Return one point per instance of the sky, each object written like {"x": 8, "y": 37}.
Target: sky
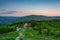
{"x": 29, "y": 7}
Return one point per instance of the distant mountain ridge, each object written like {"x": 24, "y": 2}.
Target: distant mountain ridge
{"x": 7, "y": 20}
{"x": 39, "y": 17}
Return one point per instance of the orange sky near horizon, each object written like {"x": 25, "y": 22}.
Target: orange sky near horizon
{"x": 33, "y": 12}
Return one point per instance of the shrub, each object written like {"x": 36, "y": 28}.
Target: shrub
{"x": 33, "y": 23}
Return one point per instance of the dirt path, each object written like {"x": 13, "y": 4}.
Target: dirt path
{"x": 20, "y": 34}
{"x": 18, "y": 38}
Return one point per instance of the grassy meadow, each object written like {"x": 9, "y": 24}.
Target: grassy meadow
{"x": 40, "y": 30}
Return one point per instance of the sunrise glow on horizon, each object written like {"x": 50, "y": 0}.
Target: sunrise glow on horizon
{"x": 29, "y": 7}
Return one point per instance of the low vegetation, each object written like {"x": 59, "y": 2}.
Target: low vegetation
{"x": 41, "y": 30}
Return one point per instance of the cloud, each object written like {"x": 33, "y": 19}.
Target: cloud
{"x": 7, "y": 12}
{"x": 4, "y": 11}
{"x": 31, "y": 12}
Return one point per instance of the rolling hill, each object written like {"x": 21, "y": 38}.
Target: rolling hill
{"x": 7, "y": 20}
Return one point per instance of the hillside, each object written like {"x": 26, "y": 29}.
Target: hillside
{"x": 7, "y": 20}
{"x": 43, "y": 30}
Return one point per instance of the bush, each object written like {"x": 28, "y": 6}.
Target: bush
{"x": 7, "y": 29}
{"x": 57, "y": 35}
{"x": 33, "y": 23}
{"x": 52, "y": 33}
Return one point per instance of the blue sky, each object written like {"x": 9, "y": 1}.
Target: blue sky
{"x": 52, "y": 6}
